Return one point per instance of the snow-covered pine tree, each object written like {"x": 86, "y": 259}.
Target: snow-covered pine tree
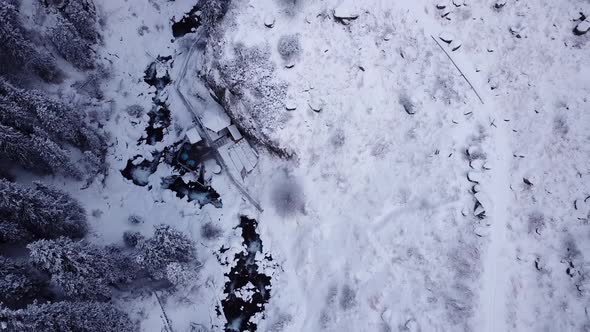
{"x": 13, "y": 232}
{"x": 13, "y": 115}
{"x": 33, "y": 112}
{"x": 67, "y": 317}
{"x": 20, "y": 283}
{"x": 42, "y": 211}
{"x": 36, "y": 153}
{"x": 213, "y": 11}
{"x": 166, "y": 246}
{"x": 61, "y": 122}
{"x": 18, "y": 50}
{"x": 68, "y": 42}
{"x": 82, "y": 15}
{"x": 84, "y": 271}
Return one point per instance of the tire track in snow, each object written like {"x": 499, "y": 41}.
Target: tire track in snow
{"x": 493, "y": 312}
{"x": 495, "y": 277}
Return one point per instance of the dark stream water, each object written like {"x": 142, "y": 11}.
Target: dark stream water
{"x": 239, "y": 310}
{"x": 244, "y": 275}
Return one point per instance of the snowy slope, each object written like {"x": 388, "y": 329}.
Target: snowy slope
{"x": 387, "y": 238}
{"x": 412, "y": 201}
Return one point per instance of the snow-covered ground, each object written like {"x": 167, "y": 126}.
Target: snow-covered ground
{"x": 372, "y": 221}
{"x": 386, "y": 238}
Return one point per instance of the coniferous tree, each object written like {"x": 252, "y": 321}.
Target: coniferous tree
{"x": 82, "y": 15}
{"x": 82, "y": 270}
{"x": 42, "y": 211}
{"x": 34, "y": 125}
{"x": 20, "y": 284}
{"x": 18, "y": 51}
{"x": 59, "y": 121}
{"x": 67, "y": 317}
{"x": 35, "y": 153}
{"x": 70, "y": 45}
{"x": 13, "y": 232}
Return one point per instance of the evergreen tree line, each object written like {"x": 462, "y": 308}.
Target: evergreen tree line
{"x": 37, "y": 130}
{"x": 62, "y": 273}
{"x": 50, "y": 278}
{"x": 69, "y": 29}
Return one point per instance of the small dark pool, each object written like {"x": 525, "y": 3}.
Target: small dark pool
{"x": 139, "y": 173}
{"x": 194, "y": 190}
{"x": 189, "y": 23}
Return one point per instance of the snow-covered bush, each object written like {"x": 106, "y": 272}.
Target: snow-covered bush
{"x": 135, "y": 219}
{"x": 180, "y": 274}
{"x": 135, "y": 111}
{"x": 42, "y": 211}
{"x": 289, "y": 46}
{"x": 132, "y": 238}
{"x": 19, "y": 283}
{"x": 67, "y": 317}
{"x": 347, "y": 297}
{"x": 166, "y": 246}
{"x": 250, "y": 77}
{"x": 212, "y": 11}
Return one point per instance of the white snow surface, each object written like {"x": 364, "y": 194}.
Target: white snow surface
{"x": 384, "y": 190}
{"x": 384, "y": 238}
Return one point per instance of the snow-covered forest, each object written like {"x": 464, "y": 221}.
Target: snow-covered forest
{"x": 294, "y": 165}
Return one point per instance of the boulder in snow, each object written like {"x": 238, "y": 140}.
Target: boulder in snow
{"x": 346, "y": 12}
{"x": 290, "y": 105}
{"x": 476, "y": 188}
{"x": 484, "y": 201}
{"x": 316, "y": 104}
{"x": 582, "y": 28}
{"x": 474, "y": 177}
{"x": 269, "y": 21}
{"x": 499, "y": 4}
{"x": 479, "y": 210}
{"x": 476, "y": 164}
